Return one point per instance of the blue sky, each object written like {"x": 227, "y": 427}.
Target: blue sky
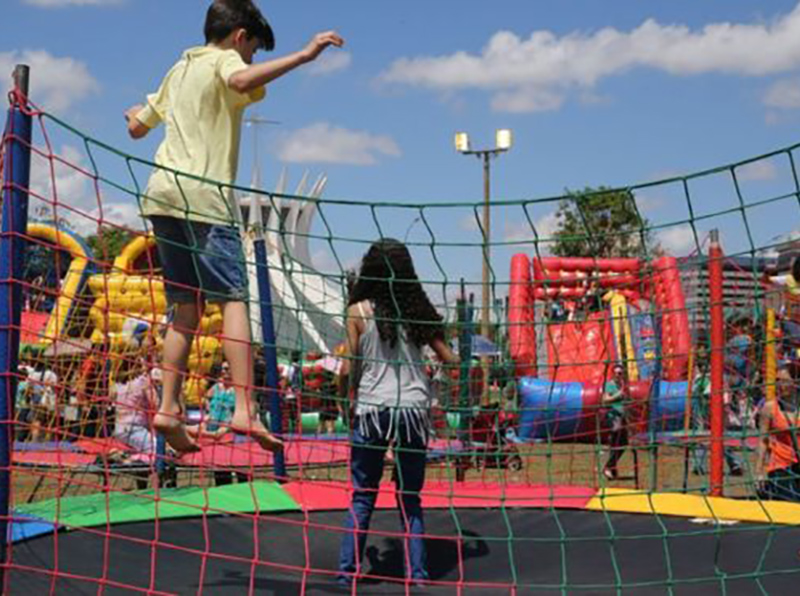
{"x": 597, "y": 93}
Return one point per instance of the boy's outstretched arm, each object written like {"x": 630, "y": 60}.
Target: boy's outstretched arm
{"x": 258, "y": 75}
{"x": 136, "y": 129}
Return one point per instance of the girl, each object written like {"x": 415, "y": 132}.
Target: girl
{"x": 389, "y": 321}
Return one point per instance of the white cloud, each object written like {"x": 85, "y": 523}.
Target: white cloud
{"x": 542, "y": 71}
{"x": 60, "y": 180}
{"x": 677, "y": 240}
{"x": 469, "y": 223}
{"x": 126, "y": 215}
{"x": 757, "y": 171}
{"x": 545, "y": 227}
{"x": 784, "y": 94}
{"x": 647, "y": 203}
{"x": 330, "y": 62}
{"x": 63, "y": 3}
{"x": 56, "y": 82}
{"x": 62, "y": 188}
{"x": 325, "y": 143}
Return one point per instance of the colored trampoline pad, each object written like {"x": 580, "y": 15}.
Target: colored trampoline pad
{"x": 99, "y": 509}
{"x": 539, "y": 551}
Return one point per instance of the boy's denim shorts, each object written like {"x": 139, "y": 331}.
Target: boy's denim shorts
{"x": 200, "y": 260}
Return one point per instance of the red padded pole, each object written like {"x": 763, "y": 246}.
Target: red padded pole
{"x": 717, "y": 363}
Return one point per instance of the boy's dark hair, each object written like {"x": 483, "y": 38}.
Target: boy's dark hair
{"x": 226, "y": 16}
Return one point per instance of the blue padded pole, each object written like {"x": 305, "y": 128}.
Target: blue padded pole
{"x": 16, "y": 180}
{"x": 270, "y": 349}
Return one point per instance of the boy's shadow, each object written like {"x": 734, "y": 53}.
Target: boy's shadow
{"x": 443, "y": 554}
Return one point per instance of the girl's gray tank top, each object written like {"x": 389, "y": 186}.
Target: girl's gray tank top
{"x": 389, "y": 377}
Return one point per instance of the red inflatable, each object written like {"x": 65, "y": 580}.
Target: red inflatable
{"x": 564, "y": 280}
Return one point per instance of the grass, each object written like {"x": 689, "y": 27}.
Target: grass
{"x": 543, "y": 464}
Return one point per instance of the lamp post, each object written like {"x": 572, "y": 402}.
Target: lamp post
{"x": 504, "y": 139}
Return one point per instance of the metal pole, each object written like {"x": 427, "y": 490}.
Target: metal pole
{"x": 465, "y": 314}
{"x": 16, "y": 181}
{"x": 715, "y": 280}
{"x": 270, "y": 350}
{"x": 487, "y": 227}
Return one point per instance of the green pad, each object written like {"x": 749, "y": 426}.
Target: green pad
{"x": 100, "y": 509}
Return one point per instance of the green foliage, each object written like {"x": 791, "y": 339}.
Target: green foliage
{"x": 602, "y": 223}
{"x": 108, "y": 243}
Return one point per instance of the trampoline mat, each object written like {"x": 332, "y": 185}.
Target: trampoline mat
{"x": 542, "y": 549}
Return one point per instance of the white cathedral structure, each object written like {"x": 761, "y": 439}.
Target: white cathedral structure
{"x": 308, "y": 305}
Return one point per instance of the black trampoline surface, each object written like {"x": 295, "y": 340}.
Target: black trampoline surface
{"x": 541, "y": 551}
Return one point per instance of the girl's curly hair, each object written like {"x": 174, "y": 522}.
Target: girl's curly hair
{"x": 387, "y": 279}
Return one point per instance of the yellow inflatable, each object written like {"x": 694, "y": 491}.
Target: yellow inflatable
{"x": 125, "y": 300}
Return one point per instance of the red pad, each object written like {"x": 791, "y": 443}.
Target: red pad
{"x": 101, "y": 446}
{"x": 53, "y": 459}
{"x": 443, "y": 495}
{"x": 229, "y": 454}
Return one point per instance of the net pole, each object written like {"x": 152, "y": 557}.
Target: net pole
{"x": 270, "y": 349}
{"x": 717, "y": 363}
{"x": 771, "y": 360}
{"x": 465, "y": 315}
{"x": 16, "y": 181}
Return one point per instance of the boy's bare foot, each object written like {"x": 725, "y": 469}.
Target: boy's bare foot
{"x": 242, "y": 424}
{"x": 174, "y": 431}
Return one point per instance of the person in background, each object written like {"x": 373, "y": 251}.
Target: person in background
{"x": 135, "y": 404}
{"x": 22, "y": 404}
{"x": 778, "y": 465}
{"x": 291, "y": 383}
{"x": 615, "y": 399}
{"x": 91, "y": 391}
{"x": 42, "y": 388}
{"x": 221, "y": 403}
{"x": 701, "y": 402}
{"x": 741, "y": 373}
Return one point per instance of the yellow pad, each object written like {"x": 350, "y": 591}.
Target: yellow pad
{"x": 617, "y": 500}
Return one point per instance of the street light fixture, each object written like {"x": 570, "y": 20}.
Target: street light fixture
{"x": 504, "y": 140}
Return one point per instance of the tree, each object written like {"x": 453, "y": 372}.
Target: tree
{"x": 602, "y": 223}
{"x": 108, "y": 243}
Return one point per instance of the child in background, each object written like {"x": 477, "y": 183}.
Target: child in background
{"x": 221, "y": 400}
{"x": 221, "y": 403}
{"x": 201, "y": 102}
{"x": 389, "y": 321}
{"x": 135, "y": 405}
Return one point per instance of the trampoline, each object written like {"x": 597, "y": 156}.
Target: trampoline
{"x": 533, "y": 539}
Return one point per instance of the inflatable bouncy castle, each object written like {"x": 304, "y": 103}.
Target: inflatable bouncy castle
{"x": 572, "y": 319}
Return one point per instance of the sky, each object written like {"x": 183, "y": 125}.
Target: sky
{"x": 596, "y": 93}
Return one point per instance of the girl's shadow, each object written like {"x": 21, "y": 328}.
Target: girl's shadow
{"x": 444, "y": 556}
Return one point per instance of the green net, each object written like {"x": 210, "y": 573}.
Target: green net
{"x": 553, "y": 424}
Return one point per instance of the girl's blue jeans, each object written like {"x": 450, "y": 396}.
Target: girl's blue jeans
{"x": 366, "y": 469}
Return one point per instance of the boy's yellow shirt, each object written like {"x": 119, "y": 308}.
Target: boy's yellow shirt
{"x": 203, "y": 121}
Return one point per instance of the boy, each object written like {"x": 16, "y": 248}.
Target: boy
{"x": 191, "y": 207}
